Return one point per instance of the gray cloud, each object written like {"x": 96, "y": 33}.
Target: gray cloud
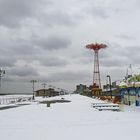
{"x": 6, "y": 61}
{"x": 53, "y": 61}
{"x": 114, "y": 62}
{"x": 53, "y": 43}
{"x": 133, "y": 54}
{"x": 68, "y": 76}
{"x": 28, "y": 52}
{"x": 118, "y": 56}
{"x": 14, "y": 51}
{"x": 125, "y": 37}
{"x": 99, "y": 12}
{"x": 12, "y": 12}
{"x": 25, "y": 51}
{"x": 106, "y": 9}
{"x": 58, "y": 18}
{"x": 24, "y": 71}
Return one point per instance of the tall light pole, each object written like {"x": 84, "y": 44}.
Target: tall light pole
{"x": 2, "y": 72}
{"x": 44, "y": 85}
{"x": 33, "y": 81}
{"x": 108, "y": 76}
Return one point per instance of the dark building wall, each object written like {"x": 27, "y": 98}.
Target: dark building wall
{"x": 81, "y": 88}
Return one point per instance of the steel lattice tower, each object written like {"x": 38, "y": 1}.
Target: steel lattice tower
{"x": 96, "y": 74}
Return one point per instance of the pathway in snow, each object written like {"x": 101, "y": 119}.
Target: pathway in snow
{"x": 75, "y": 120}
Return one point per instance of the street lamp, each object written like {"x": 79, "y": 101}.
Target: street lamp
{"x": 108, "y": 76}
{"x": 1, "y": 75}
{"x": 33, "y": 81}
{"x": 44, "y": 85}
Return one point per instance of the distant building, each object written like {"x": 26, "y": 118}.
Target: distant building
{"x": 81, "y": 88}
{"x": 130, "y": 95}
{"x": 47, "y": 92}
{"x": 130, "y": 90}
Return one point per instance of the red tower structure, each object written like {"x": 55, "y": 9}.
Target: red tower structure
{"x": 96, "y": 89}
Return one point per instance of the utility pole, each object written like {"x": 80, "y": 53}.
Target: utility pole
{"x": 44, "y": 85}
{"x": 1, "y": 75}
{"x": 33, "y": 81}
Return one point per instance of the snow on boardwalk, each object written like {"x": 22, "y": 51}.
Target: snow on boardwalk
{"x": 75, "y": 120}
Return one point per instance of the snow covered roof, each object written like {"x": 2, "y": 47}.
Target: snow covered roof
{"x": 123, "y": 84}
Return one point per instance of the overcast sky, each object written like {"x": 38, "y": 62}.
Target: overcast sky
{"x": 45, "y": 40}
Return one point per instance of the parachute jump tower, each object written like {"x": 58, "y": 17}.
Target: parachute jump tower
{"x": 96, "y": 87}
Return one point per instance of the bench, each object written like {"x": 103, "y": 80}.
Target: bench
{"x": 106, "y": 106}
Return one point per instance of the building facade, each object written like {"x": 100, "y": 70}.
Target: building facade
{"x": 130, "y": 95}
{"x": 47, "y": 92}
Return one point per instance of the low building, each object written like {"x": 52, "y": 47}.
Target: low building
{"x": 47, "y": 92}
{"x": 81, "y": 88}
{"x": 130, "y": 95}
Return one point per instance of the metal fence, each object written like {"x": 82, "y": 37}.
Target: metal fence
{"x": 13, "y": 100}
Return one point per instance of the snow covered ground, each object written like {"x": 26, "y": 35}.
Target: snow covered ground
{"x": 75, "y": 120}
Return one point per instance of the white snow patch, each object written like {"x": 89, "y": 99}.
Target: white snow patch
{"x": 75, "y": 120}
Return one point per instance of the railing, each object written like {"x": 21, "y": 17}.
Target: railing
{"x": 106, "y": 106}
{"x": 13, "y": 100}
